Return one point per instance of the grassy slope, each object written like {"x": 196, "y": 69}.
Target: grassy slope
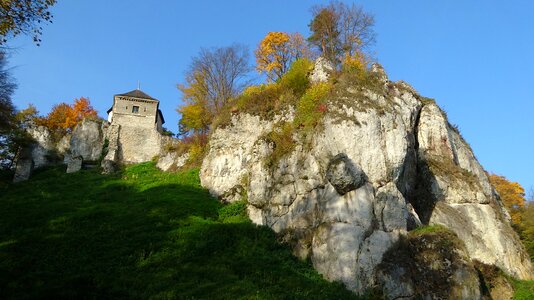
{"x": 143, "y": 234}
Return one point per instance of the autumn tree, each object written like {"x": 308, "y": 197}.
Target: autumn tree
{"x": 342, "y": 31}
{"x": 277, "y": 51}
{"x": 512, "y": 195}
{"x": 64, "y": 117}
{"x": 213, "y": 78}
{"x": 81, "y": 109}
{"x": 24, "y": 17}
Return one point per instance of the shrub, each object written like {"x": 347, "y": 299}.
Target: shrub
{"x": 296, "y": 79}
{"x": 259, "y": 100}
{"x": 312, "y": 105}
{"x": 282, "y": 139}
{"x": 234, "y": 213}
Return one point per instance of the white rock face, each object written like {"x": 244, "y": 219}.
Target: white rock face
{"x": 87, "y": 140}
{"x": 321, "y": 71}
{"x": 172, "y": 161}
{"x": 391, "y": 137}
{"x": 40, "y": 153}
{"x": 466, "y": 202}
{"x": 43, "y": 147}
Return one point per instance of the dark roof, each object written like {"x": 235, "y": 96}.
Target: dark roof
{"x": 137, "y": 94}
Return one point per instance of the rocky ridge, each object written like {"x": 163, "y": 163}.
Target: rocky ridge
{"x": 382, "y": 162}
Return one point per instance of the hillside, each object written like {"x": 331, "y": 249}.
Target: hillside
{"x": 141, "y": 234}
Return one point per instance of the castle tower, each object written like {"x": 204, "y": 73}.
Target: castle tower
{"x": 135, "y": 127}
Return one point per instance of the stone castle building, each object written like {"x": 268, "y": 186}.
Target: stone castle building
{"x": 135, "y": 128}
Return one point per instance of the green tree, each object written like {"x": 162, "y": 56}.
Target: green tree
{"x": 24, "y": 17}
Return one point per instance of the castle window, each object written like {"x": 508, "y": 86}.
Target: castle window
{"x": 135, "y": 109}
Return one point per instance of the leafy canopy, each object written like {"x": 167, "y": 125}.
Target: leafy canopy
{"x": 277, "y": 51}
{"x": 512, "y": 195}
{"x": 24, "y": 17}
{"x": 64, "y": 117}
{"x": 340, "y": 30}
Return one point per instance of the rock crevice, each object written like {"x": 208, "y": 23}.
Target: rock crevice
{"x": 364, "y": 180}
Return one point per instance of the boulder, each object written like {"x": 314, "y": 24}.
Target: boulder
{"x": 74, "y": 164}
{"x": 24, "y": 166}
{"x": 43, "y": 151}
{"x": 171, "y": 161}
{"x": 87, "y": 140}
{"x": 108, "y": 166}
{"x": 344, "y": 175}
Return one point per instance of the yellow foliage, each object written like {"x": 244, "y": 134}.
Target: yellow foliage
{"x": 195, "y": 116}
{"x": 355, "y": 64}
{"x": 196, "y": 113}
{"x": 277, "y": 51}
{"x": 512, "y": 195}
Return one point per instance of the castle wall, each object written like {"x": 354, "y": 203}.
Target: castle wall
{"x": 144, "y": 114}
{"x": 138, "y": 144}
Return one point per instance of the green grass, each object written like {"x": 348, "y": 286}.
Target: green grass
{"x": 523, "y": 289}
{"x": 428, "y": 229}
{"x": 142, "y": 234}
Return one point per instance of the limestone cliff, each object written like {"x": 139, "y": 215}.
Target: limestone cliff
{"x": 382, "y": 162}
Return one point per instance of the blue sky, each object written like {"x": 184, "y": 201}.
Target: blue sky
{"x": 474, "y": 57}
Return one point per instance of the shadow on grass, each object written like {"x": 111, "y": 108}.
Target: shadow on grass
{"x": 88, "y": 236}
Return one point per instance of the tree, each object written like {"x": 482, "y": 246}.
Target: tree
{"x": 277, "y": 51}
{"x": 7, "y": 112}
{"x": 512, "y": 195}
{"x": 527, "y": 227}
{"x": 214, "y": 77}
{"x": 341, "y": 31}
{"x": 24, "y": 17}
{"x": 325, "y": 32}
{"x": 27, "y": 117}
{"x": 7, "y": 88}
{"x": 82, "y": 109}
{"x": 64, "y": 117}
{"x": 17, "y": 137}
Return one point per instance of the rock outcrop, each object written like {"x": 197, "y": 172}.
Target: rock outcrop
{"x": 87, "y": 140}
{"x": 83, "y": 144}
{"x": 382, "y": 162}
{"x": 41, "y": 152}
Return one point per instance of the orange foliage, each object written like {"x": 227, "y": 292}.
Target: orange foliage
{"x": 512, "y": 195}
{"x": 63, "y": 117}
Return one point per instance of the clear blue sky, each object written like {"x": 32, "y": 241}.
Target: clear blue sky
{"x": 474, "y": 57}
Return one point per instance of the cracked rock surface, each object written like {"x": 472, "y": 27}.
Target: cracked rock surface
{"x": 378, "y": 167}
